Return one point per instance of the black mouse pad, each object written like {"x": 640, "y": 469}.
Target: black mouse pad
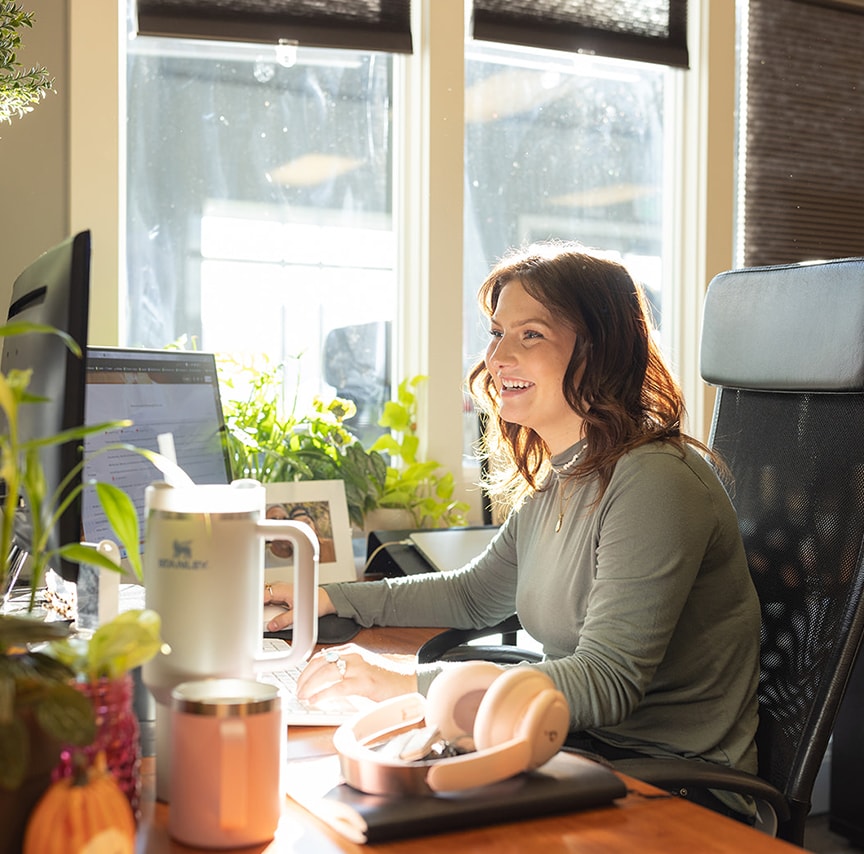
{"x": 331, "y": 629}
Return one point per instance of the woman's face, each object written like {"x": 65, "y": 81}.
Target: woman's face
{"x": 527, "y": 356}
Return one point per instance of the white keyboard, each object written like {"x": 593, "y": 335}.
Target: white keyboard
{"x": 298, "y": 712}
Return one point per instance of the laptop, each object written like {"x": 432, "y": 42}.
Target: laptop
{"x": 160, "y": 391}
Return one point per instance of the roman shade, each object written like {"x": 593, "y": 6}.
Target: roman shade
{"x": 642, "y": 30}
{"x": 802, "y": 120}
{"x": 383, "y": 25}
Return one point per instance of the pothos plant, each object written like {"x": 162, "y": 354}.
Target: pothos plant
{"x": 420, "y": 486}
{"x": 272, "y": 445}
{"x": 20, "y": 88}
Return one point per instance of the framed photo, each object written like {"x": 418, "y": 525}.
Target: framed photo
{"x": 321, "y": 505}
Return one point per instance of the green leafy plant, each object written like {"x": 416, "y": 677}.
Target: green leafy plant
{"x": 22, "y": 473}
{"x": 36, "y": 685}
{"x": 116, "y": 647}
{"x": 272, "y": 446}
{"x": 416, "y": 485}
{"x": 37, "y": 698}
{"x": 20, "y": 88}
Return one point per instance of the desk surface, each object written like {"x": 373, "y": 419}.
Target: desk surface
{"x": 635, "y": 823}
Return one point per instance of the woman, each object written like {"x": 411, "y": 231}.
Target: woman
{"x": 621, "y": 553}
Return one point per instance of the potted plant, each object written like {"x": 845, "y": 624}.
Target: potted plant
{"x": 272, "y": 446}
{"x": 40, "y": 708}
{"x": 103, "y": 665}
{"x": 20, "y": 88}
{"x": 418, "y": 486}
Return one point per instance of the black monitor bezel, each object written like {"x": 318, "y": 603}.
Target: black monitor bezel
{"x": 55, "y": 291}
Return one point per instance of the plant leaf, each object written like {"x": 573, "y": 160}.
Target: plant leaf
{"x": 78, "y": 553}
{"x": 123, "y": 517}
{"x": 21, "y": 631}
{"x": 7, "y": 330}
{"x": 66, "y": 714}
{"x": 120, "y": 645}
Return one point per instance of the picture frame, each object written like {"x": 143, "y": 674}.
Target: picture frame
{"x": 322, "y": 505}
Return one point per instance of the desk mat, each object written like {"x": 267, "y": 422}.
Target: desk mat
{"x": 331, "y": 629}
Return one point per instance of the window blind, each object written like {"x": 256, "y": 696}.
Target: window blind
{"x": 801, "y": 186}
{"x": 357, "y": 24}
{"x": 643, "y": 30}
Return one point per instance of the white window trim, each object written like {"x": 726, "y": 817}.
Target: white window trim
{"x": 707, "y": 195}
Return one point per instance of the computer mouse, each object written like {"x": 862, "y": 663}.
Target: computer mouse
{"x": 271, "y": 611}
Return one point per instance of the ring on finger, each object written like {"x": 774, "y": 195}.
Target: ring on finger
{"x": 334, "y": 658}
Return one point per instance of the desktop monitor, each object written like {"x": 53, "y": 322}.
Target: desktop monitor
{"x": 54, "y": 290}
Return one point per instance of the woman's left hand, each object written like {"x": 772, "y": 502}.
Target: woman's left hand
{"x": 349, "y": 670}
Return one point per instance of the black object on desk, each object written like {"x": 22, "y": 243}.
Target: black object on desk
{"x": 389, "y": 555}
{"x": 410, "y": 552}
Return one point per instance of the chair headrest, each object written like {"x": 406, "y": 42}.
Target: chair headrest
{"x": 797, "y": 327}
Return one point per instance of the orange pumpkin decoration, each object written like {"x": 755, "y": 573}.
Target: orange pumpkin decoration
{"x": 86, "y": 812}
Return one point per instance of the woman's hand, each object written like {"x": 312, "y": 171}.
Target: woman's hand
{"x": 282, "y": 593}
{"x": 349, "y": 670}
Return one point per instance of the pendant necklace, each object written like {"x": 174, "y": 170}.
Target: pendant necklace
{"x": 562, "y": 499}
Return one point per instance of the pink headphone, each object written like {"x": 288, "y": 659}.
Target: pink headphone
{"x": 516, "y": 719}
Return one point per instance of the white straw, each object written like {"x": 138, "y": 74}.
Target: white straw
{"x": 174, "y": 475}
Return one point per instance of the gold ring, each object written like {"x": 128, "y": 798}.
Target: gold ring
{"x": 269, "y": 589}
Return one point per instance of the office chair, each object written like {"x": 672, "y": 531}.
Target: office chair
{"x": 456, "y": 645}
{"x": 356, "y": 362}
{"x": 784, "y": 346}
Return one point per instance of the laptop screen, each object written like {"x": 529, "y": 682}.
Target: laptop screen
{"x": 160, "y": 391}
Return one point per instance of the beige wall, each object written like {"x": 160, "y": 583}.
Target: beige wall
{"x": 34, "y": 155}
{"x": 59, "y": 165}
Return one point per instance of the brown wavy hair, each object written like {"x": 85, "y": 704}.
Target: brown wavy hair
{"x": 627, "y": 396}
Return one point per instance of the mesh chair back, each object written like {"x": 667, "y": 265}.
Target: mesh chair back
{"x": 785, "y": 346}
{"x": 798, "y": 466}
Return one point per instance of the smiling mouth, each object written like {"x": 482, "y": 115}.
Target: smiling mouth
{"x": 515, "y": 385}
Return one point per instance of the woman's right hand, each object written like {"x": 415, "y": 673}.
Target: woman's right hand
{"x": 282, "y": 593}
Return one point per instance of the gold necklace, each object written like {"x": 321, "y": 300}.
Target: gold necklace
{"x": 562, "y": 499}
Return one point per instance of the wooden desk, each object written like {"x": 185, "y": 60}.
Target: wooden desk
{"x": 635, "y": 823}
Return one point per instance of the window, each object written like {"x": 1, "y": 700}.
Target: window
{"x": 259, "y": 199}
{"x": 565, "y": 146}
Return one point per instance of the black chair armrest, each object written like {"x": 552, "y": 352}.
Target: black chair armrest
{"x": 675, "y": 774}
{"x": 450, "y": 645}
{"x": 496, "y": 654}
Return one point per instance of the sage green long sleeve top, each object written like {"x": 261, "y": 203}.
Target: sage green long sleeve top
{"x": 643, "y": 604}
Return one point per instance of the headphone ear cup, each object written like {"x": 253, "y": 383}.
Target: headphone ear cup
{"x": 455, "y": 696}
{"x": 524, "y": 705}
